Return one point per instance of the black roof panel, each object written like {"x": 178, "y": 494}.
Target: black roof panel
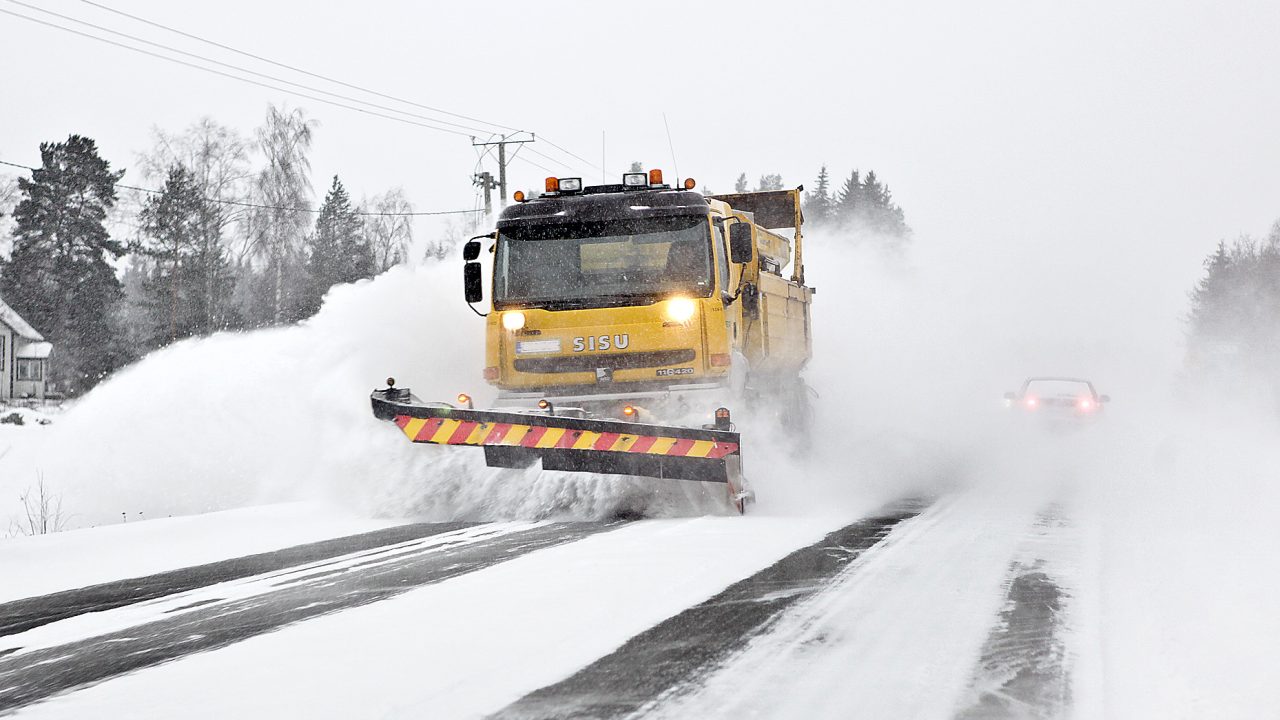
{"x": 604, "y": 206}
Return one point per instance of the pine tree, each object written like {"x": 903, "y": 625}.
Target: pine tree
{"x": 170, "y": 224}
{"x": 1209, "y": 299}
{"x": 338, "y": 251}
{"x": 1234, "y": 323}
{"x": 818, "y": 203}
{"x": 216, "y": 159}
{"x": 636, "y": 166}
{"x": 740, "y": 185}
{"x": 849, "y": 201}
{"x": 59, "y": 277}
{"x": 884, "y": 216}
{"x": 188, "y": 290}
{"x": 772, "y": 181}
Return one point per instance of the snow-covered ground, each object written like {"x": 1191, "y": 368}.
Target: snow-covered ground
{"x": 1178, "y": 612}
{"x": 464, "y": 647}
{"x": 42, "y": 564}
{"x": 100, "y": 622}
{"x": 896, "y": 636}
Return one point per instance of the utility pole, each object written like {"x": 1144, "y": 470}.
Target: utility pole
{"x": 485, "y": 180}
{"x": 502, "y": 158}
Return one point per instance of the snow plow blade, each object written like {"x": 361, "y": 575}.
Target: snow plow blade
{"x": 519, "y": 439}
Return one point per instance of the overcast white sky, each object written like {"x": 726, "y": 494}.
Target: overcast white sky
{"x": 1142, "y": 130}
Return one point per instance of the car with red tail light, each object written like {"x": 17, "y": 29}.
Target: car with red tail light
{"x": 1057, "y": 397}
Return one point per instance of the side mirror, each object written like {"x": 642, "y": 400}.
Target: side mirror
{"x": 1104, "y": 398}
{"x": 740, "y": 243}
{"x": 472, "y": 283}
{"x": 471, "y": 250}
{"x": 1011, "y": 396}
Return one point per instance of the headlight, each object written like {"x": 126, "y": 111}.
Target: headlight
{"x": 681, "y": 309}
{"x": 513, "y": 320}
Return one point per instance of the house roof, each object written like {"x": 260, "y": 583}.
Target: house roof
{"x": 33, "y": 350}
{"x": 10, "y": 317}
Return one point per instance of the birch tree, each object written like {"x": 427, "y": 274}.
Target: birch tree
{"x": 283, "y": 189}
{"x": 387, "y": 228}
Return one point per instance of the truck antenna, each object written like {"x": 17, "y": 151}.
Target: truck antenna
{"x": 672, "y": 147}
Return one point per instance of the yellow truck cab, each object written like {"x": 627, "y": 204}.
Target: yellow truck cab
{"x": 642, "y": 299}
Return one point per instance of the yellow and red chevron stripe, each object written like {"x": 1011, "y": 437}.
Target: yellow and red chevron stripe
{"x": 442, "y": 431}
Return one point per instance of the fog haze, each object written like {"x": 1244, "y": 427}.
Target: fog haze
{"x": 1144, "y": 131}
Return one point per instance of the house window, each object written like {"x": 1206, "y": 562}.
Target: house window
{"x": 30, "y": 369}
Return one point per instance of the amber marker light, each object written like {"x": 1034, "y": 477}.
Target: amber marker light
{"x": 545, "y": 404}
{"x": 690, "y": 183}
{"x": 519, "y": 196}
{"x": 553, "y": 184}
{"x": 655, "y": 177}
{"x": 465, "y": 399}
{"x": 630, "y": 411}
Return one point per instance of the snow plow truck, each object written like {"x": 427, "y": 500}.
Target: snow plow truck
{"x": 624, "y": 323}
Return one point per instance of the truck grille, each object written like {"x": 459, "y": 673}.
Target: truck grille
{"x": 615, "y": 361}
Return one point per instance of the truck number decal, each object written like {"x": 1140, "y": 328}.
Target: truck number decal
{"x": 593, "y": 343}
{"x": 664, "y": 372}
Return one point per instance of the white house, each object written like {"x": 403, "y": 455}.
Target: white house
{"x": 24, "y": 358}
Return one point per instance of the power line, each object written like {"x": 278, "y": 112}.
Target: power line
{"x": 327, "y": 78}
{"x": 544, "y": 168}
{"x": 347, "y": 98}
{"x": 296, "y": 69}
{"x": 238, "y": 203}
{"x": 572, "y": 154}
{"x": 548, "y": 157}
{"x": 239, "y": 68}
{"x": 233, "y": 77}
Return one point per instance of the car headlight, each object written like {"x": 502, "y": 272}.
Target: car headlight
{"x": 513, "y": 320}
{"x": 681, "y": 309}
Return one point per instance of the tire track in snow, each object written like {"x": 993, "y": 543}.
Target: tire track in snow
{"x": 22, "y": 615}
{"x": 32, "y": 676}
{"x": 1025, "y": 671}
{"x": 895, "y": 634}
{"x": 685, "y": 646}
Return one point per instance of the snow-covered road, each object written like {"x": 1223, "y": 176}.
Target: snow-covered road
{"x": 462, "y": 622}
{"x": 893, "y": 614}
{"x": 985, "y": 602}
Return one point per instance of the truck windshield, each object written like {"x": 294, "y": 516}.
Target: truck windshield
{"x": 601, "y": 264}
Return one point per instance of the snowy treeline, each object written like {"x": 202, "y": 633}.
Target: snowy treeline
{"x": 219, "y": 230}
{"x": 861, "y": 208}
{"x": 1234, "y": 323}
